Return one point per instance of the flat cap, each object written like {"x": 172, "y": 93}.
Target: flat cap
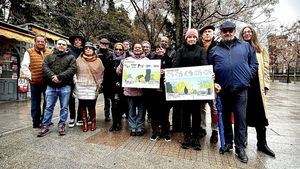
{"x": 227, "y": 25}
{"x": 104, "y": 41}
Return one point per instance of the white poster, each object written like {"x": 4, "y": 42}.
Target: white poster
{"x": 141, "y": 74}
{"x": 189, "y": 83}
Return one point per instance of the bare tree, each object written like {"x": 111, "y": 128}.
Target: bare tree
{"x": 284, "y": 50}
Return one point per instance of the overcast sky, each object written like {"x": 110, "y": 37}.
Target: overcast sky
{"x": 287, "y": 11}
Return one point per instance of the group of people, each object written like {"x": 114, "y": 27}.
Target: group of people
{"x": 81, "y": 71}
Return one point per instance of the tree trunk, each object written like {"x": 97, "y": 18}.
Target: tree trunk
{"x": 178, "y": 23}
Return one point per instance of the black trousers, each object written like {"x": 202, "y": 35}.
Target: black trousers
{"x": 119, "y": 106}
{"x": 90, "y": 105}
{"x": 72, "y": 109}
{"x": 191, "y": 109}
{"x": 236, "y": 102}
{"x": 159, "y": 112}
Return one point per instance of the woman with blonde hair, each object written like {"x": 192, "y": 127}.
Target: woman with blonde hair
{"x": 119, "y": 104}
{"x": 256, "y": 109}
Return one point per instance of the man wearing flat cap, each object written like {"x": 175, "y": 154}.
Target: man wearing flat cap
{"x": 107, "y": 59}
{"x": 76, "y": 48}
{"x": 207, "y": 41}
{"x": 235, "y": 64}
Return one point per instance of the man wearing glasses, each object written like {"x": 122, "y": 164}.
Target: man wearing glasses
{"x": 235, "y": 64}
{"x": 59, "y": 69}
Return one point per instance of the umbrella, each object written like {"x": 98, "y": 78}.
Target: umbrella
{"x": 220, "y": 123}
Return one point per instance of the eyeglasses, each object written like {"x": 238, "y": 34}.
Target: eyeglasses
{"x": 62, "y": 44}
{"x": 247, "y": 32}
{"x": 118, "y": 49}
{"x": 227, "y": 30}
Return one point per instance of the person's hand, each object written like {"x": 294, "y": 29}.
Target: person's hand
{"x": 162, "y": 71}
{"x": 217, "y": 87}
{"x": 55, "y": 79}
{"x": 266, "y": 91}
{"x": 100, "y": 89}
{"x": 118, "y": 84}
{"x": 213, "y": 76}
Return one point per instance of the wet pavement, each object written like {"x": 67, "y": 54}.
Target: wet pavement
{"x": 20, "y": 148}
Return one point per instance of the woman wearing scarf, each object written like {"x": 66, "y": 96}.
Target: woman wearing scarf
{"x": 88, "y": 81}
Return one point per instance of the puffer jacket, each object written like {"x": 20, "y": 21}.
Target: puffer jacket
{"x": 234, "y": 65}
{"x": 63, "y": 65}
{"x": 86, "y": 87}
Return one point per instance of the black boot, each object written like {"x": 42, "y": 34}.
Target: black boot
{"x": 214, "y": 137}
{"x": 241, "y": 155}
{"x": 195, "y": 144}
{"x": 186, "y": 142}
{"x": 262, "y": 142}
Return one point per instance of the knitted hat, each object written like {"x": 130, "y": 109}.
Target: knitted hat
{"x": 191, "y": 32}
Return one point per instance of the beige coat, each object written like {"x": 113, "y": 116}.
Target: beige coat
{"x": 87, "y": 81}
{"x": 263, "y": 74}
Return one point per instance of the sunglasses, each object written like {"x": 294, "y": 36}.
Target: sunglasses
{"x": 117, "y": 49}
{"x": 227, "y": 30}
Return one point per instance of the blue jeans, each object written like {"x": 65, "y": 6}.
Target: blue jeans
{"x": 136, "y": 119}
{"x": 36, "y": 96}
{"x": 52, "y": 94}
{"x": 236, "y": 102}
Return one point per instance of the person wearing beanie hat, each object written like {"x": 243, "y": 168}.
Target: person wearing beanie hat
{"x": 191, "y": 32}
{"x": 191, "y": 54}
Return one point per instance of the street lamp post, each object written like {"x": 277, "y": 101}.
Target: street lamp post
{"x": 190, "y": 14}
{"x": 297, "y": 53}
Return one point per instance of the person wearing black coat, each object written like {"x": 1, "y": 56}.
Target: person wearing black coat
{"x": 107, "y": 59}
{"x": 191, "y": 54}
{"x": 158, "y": 107}
{"x": 76, "y": 48}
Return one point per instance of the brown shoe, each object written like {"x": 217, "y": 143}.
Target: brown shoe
{"x": 61, "y": 130}
{"x": 43, "y": 131}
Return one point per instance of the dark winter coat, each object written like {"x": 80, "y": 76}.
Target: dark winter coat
{"x": 63, "y": 65}
{"x": 108, "y": 62}
{"x": 75, "y": 51}
{"x": 234, "y": 65}
{"x": 190, "y": 55}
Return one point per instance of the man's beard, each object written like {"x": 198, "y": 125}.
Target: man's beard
{"x": 228, "y": 39}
